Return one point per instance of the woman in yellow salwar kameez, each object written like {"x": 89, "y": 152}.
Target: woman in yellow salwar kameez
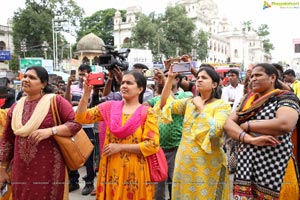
{"x": 200, "y": 165}
{"x": 131, "y": 136}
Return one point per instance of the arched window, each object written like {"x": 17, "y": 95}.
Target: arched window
{"x": 95, "y": 61}
{"x": 2, "y": 45}
{"x": 85, "y": 60}
{"x": 236, "y": 53}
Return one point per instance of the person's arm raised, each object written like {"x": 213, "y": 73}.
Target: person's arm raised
{"x": 166, "y": 92}
{"x": 84, "y": 101}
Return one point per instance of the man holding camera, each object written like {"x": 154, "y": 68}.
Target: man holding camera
{"x": 73, "y": 94}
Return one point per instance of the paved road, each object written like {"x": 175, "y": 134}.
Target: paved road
{"x": 76, "y": 195}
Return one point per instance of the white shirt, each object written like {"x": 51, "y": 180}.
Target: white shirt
{"x": 233, "y": 95}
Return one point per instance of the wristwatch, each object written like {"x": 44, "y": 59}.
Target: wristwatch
{"x": 54, "y": 131}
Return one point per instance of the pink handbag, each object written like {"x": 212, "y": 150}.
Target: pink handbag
{"x": 158, "y": 165}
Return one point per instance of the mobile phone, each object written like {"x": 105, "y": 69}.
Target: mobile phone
{"x": 73, "y": 72}
{"x": 182, "y": 67}
{"x": 4, "y": 189}
{"x": 149, "y": 73}
{"x": 95, "y": 78}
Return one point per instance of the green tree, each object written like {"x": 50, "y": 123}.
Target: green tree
{"x": 14, "y": 62}
{"x": 263, "y": 31}
{"x": 100, "y": 23}
{"x": 247, "y": 26}
{"x": 178, "y": 32}
{"x": 34, "y": 23}
{"x": 144, "y": 34}
{"x": 201, "y": 45}
{"x": 168, "y": 34}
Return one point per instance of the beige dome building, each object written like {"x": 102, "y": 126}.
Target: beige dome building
{"x": 89, "y": 48}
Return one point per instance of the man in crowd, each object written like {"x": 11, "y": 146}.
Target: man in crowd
{"x": 10, "y": 95}
{"x": 289, "y": 76}
{"x": 73, "y": 94}
{"x": 234, "y": 91}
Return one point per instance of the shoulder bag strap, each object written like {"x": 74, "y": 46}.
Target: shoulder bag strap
{"x": 54, "y": 110}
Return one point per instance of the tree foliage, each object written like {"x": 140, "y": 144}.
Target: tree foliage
{"x": 201, "y": 45}
{"x": 263, "y": 31}
{"x": 34, "y": 23}
{"x": 101, "y": 24}
{"x": 169, "y": 34}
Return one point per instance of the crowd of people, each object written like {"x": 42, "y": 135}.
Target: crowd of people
{"x": 208, "y": 131}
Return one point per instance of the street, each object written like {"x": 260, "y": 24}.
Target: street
{"x": 76, "y": 195}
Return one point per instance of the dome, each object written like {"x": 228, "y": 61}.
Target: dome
{"x": 90, "y": 42}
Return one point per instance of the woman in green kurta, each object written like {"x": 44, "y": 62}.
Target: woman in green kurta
{"x": 200, "y": 165}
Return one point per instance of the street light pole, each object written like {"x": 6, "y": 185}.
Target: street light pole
{"x": 23, "y": 46}
{"x": 58, "y": 24}
{"x": 45, "y": 46}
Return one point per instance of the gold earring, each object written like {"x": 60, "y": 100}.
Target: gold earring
{"x": 42, "y": 91}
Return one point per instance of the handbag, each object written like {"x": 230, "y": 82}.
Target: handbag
{"x": 233, "y": 154}
{"x": 158, "y": 165}
{"x": 74, "y": 149}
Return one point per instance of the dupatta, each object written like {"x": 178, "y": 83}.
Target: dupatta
{"x": 112, "y": 114}
{"x": 252, "y": 104}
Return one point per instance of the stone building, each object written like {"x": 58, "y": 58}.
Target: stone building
{"x": 89, "y": 48}
{"x": 227, "y": 44}
{"x": 6, "y": 41}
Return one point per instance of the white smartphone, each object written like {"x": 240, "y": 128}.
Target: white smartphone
{"x": 182, "y": 67}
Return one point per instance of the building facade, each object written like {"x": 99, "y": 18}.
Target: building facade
{"x": 6, "y": 42}
{"x": 227, "y": 44}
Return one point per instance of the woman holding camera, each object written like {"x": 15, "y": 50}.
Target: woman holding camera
{"x": 200, "y": 164}
{"x": 131, "y": 136}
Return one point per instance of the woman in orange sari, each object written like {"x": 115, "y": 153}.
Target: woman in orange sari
{"x": 266, "y": 166}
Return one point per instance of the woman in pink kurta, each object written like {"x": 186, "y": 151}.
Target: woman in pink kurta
{"x": 38, "y": 170}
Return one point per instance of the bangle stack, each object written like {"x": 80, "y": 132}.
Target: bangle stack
{"x": 242, "y": 136}
{"x": 248, "y": 129}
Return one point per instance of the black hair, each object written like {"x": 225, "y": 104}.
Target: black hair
{"x": 233, "y": 71}
{"x": 43, "y": 75}
{"x": 86, "y": 67}
{"x": 179, "y": 76}
{"x": 269, "y": 70}
{"x": 289, "y": 72}
{"x": 278, "y": 67}
{"x": 216, "y": 93}
{"x": 140, "y": 80}
{"x": 140, "y": 66}
{"x": 206, "y": 65}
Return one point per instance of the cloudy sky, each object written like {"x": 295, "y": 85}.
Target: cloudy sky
{"x": 281, "y": 21}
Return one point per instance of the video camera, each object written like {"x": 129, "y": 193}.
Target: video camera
{"x": 114, "y": 57}
{"x": 3, "y": 89}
